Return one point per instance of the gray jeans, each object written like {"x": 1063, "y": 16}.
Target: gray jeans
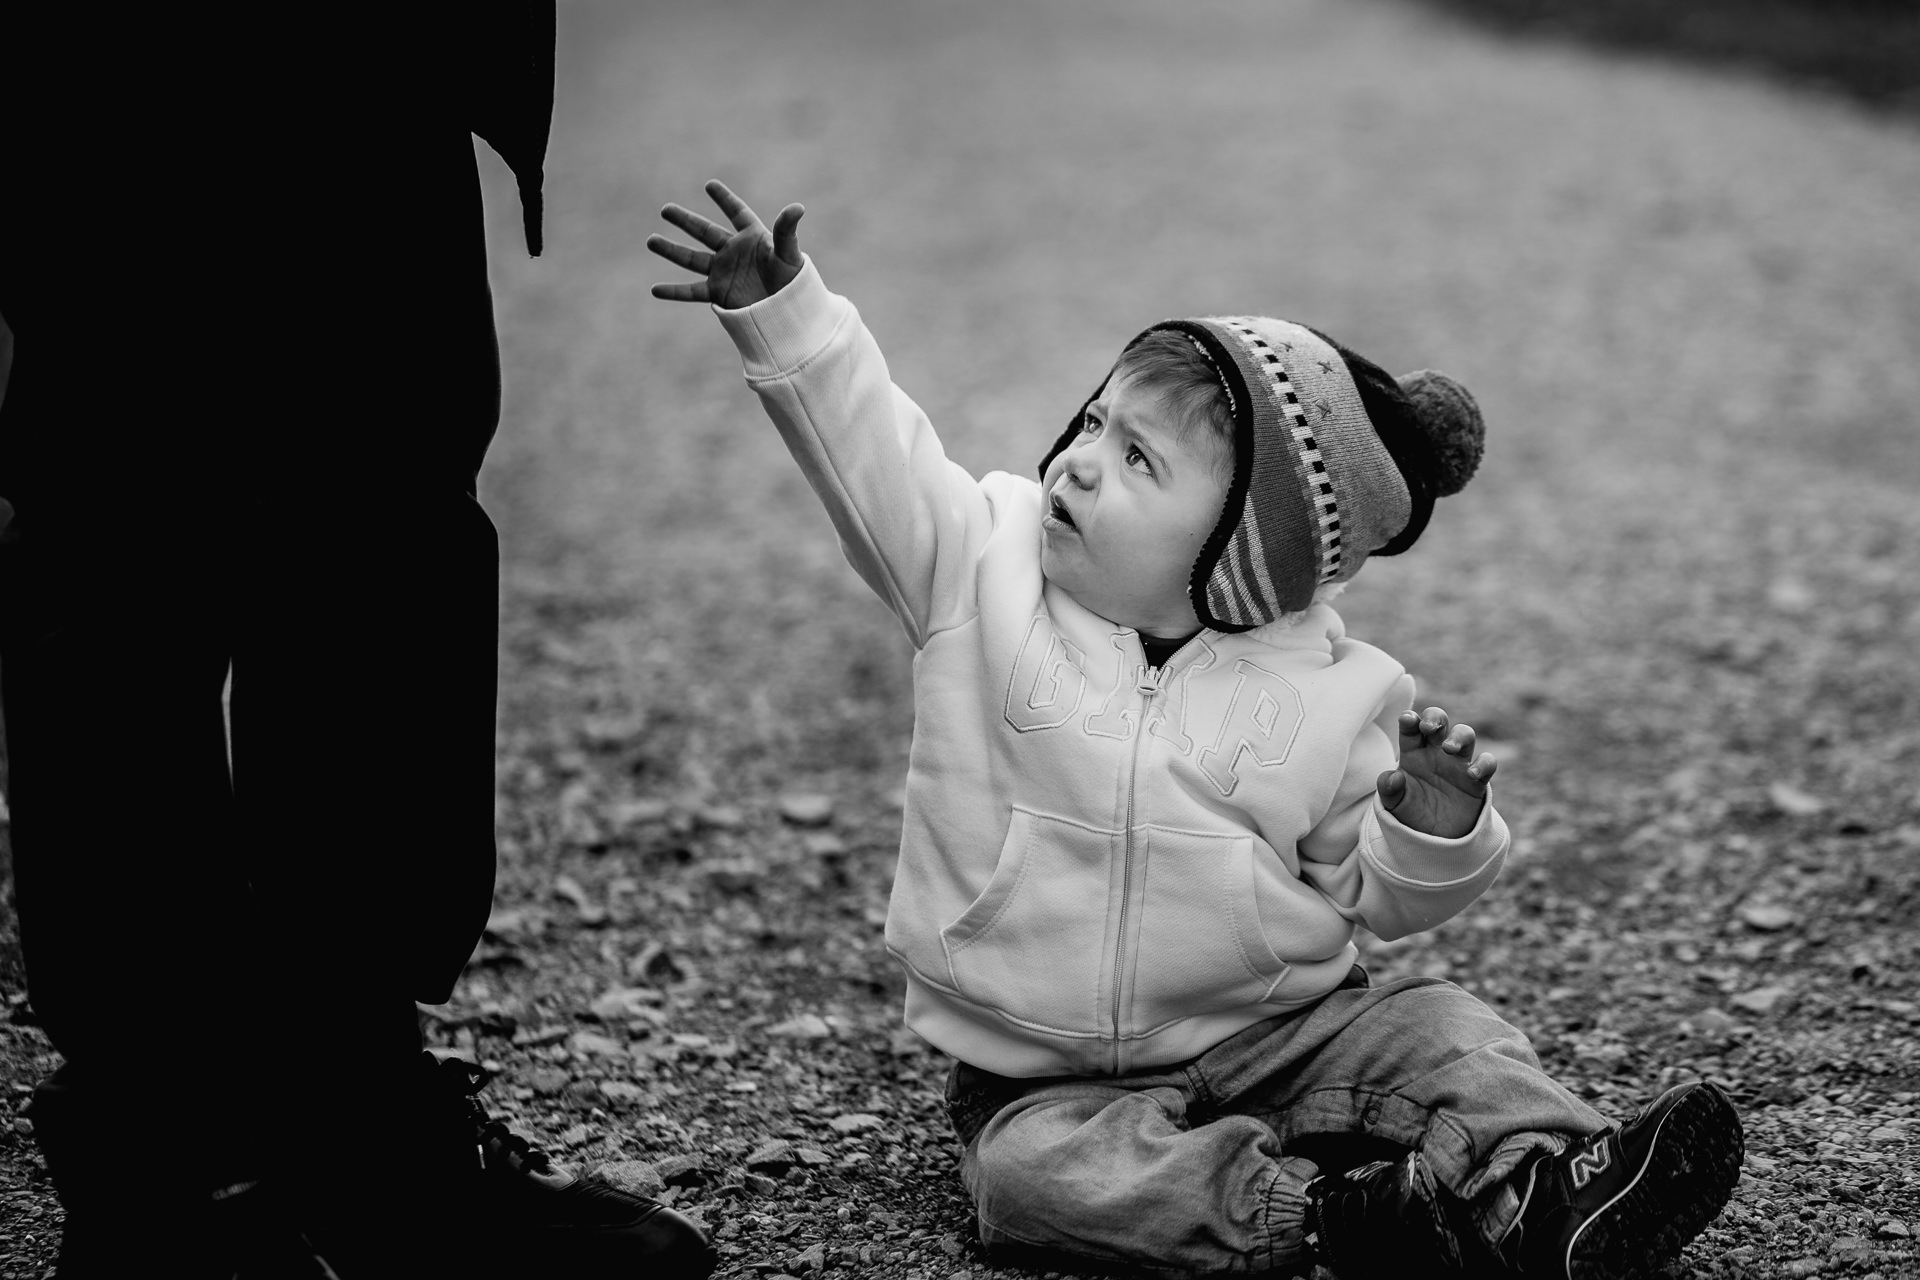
{"x": 1199, "y": 1168}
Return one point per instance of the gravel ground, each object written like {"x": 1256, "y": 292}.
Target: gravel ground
{"x": 1680, "y": 598}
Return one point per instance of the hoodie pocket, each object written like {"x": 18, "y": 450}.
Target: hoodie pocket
{"x": 1202, "y": 940}
{"x": 1032, "y": 943}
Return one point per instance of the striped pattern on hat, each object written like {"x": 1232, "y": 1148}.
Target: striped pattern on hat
{"x": 1314, "y": 490}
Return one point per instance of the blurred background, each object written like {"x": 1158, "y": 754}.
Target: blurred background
{"x": 1687, "y": 297}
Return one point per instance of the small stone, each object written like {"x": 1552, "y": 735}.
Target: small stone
{"x": 806, "y": 809}
{"x": 732, "y": 878}
{"x": 775, "y": 1157}
{"x": 634, "y": 813}
{"x": 590, "y": 1044}
{"x": 1793, "y": 802}
{"x": 1768, "y": 917}
{"x": 806, "y": 1026}
{"x": 1888, "y": 1133}
{"x": 23, "y": 1126}
{"x": 565, "y": 886}
{"x": 1716, "y": 1023}
{"x": 576, "y": 1136}
{"x": 515, "y": 923}
{"x": 658, "y": 966}
{"x": 621, "y": 1091}
{"x": 812, "y": 1258}
{"x": 855, "y": 1122}
{"x": 681, "y": 1171}
{"x": 620, "y": 1004}
{"x": 1891, "y": 1229}
{"x": 635, "y": 1177}
{"x": 760, "y": 1184}
{"x": 1791, "y": 595}
{"x": 1801, "y": 1267}
{"x": 813, "y": 1156}
{"x": 547, "y": 1081}
{"x": 1762, "y": 999}
{"x": 951, "y": 1246}
{"x": 721, "y": 817}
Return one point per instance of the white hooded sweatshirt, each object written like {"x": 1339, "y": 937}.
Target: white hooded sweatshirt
{"x": 1104, "y": 867}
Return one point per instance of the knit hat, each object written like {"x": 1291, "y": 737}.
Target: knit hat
{"x": 1334, "y": 461}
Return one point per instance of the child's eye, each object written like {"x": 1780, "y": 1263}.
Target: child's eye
{"x": 1135, "y": 458}
{"x": 1089, "y": 424}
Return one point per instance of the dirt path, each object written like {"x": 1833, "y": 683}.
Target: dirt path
{"x": 1681, "y": 595}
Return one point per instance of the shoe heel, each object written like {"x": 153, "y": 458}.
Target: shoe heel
{"x": 1689, "y": 1176}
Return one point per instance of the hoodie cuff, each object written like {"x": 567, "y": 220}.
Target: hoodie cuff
{"x": 1415, "y": 858}
{"x": 778, "y": 334}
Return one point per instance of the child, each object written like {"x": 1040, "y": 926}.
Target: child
{"x": 1154, "y": 788}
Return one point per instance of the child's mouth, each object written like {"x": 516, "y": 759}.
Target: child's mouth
{"x": 1058, "y": 510}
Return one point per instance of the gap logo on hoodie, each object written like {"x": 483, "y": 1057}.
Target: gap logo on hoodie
{"x": 1257, "y": 728}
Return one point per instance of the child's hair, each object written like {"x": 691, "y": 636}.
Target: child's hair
{"x": 1171, "y": 365}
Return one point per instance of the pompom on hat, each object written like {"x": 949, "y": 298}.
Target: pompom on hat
{"x": 1335, "y": 460}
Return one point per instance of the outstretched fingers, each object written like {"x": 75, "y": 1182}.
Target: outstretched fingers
{"x": 699, "y": 226}
{"x": 680, "y": 255}
{"x": 742, "y": 217}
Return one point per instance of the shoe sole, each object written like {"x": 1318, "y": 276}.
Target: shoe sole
{"x": 1692, "y": 1164}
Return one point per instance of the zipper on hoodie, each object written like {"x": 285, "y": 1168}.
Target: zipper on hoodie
{"x": 1149, "y": 680}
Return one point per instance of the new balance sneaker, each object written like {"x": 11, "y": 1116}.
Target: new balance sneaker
{"x": 550, "y": 1222}
{"x": 1621, "y": 1202}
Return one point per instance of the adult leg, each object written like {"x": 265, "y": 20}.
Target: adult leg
{"x": 364, "y": 681}
{"x": 133, "y": 906}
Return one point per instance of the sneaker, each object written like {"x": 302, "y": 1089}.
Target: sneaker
{"x": 1386, "y": 1221}
{"x": 552, "y": 1222}
{"x": 1621, "y": 1202}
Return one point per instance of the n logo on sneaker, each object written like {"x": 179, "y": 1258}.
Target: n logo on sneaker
{"x": 1591, "y": 1163}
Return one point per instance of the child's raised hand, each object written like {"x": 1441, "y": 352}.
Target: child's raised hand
{"x": 741, "y": 266}
{"x": 1440, "y": 784}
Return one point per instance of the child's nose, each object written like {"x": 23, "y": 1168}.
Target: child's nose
{"x": 1081, "y": 467}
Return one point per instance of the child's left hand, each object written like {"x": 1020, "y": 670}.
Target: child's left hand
{"x": 1440, "y": 785}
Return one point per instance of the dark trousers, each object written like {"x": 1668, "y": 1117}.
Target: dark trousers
{"x": 254, "y": 377}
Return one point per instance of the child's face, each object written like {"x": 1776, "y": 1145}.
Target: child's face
{"x": 1127, "y": 506}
